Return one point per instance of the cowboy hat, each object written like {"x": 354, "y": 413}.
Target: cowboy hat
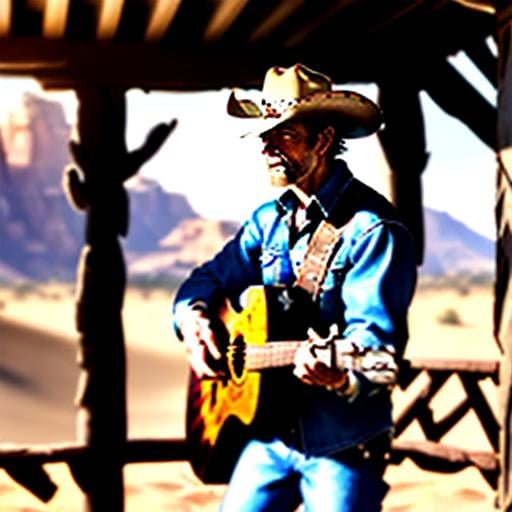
{"x": 298, "y": 92}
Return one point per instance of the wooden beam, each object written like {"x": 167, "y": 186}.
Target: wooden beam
{"x": 169, "y": 450}
{"x": 404, "y": 145}
{"x": 68, "y": 64}
{"x": 442, "y": 458}
{"x": 138, "y": 450}
{"x": 224, "y": 16}
{"x": 503, "y": 288}
{"x": 109, "y": 16}
{"x": 485, "y": 367}
{"x": 161, "y": 17}
{"x": 484, "y": 60}
{"x": 458, "y": 98}
{"x": 316, "y": 23}
{"x": 479, "y": 5}
{"x": 278, "y": 16}
{"x": 480, "y": 405}
{"x": 55, "y": 18}
{"x": 5, "y": 17}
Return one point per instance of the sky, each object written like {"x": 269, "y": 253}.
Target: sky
{"x": 223, "y": 176}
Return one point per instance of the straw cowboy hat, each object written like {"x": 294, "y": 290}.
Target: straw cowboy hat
{"x": 298, "y": 92}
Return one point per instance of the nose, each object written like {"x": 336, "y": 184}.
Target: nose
{"x": 267, "y": 148}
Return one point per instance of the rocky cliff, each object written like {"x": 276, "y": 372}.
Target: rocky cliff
{"x": 40, "y": 234}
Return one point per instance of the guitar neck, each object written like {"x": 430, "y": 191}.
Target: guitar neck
{"x": 271, "y": 355}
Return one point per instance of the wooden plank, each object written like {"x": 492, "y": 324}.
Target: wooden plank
{"x": 485, "y": 367}
{"x": 137, "y": 451}
{"x": 224, "y": 16}
{"x": 70, "y": 64}
{"x": 482, "y": 409}
{"x": 442, "y": 458}
{"x": 449, "y": 420}
{"x": 403, "y": 142}
{"x": 162, "y": 16}
{"x": 503, "y": 288}
{"x": 426, "y": 454}
{"x": 109, "y": 16}
{"x": 484, "y": 60}
{"x": 55, "y": 18}
{"x": 453, "y": 93}
{"x": 5, "y": 17}
{"x": 417, "y": 407}
{"x": 272, "y": 22}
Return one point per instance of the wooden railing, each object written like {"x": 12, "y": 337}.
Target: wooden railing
{"x": 25, "y": 463}
{"x": 430, "y": 453}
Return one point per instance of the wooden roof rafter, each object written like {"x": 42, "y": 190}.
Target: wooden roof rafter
{"x": 5, "y": 17}
{"x": 274, "y": 20}
{"x": 109, "y": 17}
{"x": 223, "y": 17}
{"x": 480, "y": 54}
{"x": 55, "y": 18}
{"x": 192, "y": 40}
{"x": 162, "y": 16}
{"x": 453, "y": 93}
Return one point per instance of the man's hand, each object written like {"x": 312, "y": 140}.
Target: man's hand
{"x": 200, "y": 341}
{"x": 313, "y": 364}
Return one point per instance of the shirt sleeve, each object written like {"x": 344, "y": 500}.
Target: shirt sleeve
{"x": 378, "y": 290}
{"x": 226, "y": 275}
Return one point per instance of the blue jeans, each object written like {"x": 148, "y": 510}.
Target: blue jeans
{"x": 272, "y": 476}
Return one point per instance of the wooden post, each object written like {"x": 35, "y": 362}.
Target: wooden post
{"x": 503, "y": 288}
{"x": 97, "y": 188}
{"x": 403, "y": 143}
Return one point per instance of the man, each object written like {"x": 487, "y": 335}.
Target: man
{"x": 327, "y": 430}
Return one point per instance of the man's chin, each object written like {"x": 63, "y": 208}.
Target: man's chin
{"x": 278, "y": 177}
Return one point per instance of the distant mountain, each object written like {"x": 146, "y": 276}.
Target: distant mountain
{"x": 452, "y": 248}
{"x": 192, "y": 242}
{"x": 41, "y": 235}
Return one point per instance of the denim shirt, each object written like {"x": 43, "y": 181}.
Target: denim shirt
{"x": 367, "y": 290}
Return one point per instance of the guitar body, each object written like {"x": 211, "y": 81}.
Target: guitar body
{"x": 224, "y": 413}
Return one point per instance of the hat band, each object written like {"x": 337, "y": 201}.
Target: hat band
{"x": 276, "y": 108}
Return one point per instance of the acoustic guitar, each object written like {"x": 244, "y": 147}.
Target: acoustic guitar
{"x": 255, "y": 384}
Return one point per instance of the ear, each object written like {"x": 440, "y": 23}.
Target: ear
{"x": 325, "y": 139}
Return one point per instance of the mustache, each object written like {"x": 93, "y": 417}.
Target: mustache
{"x": 273, "y": 151}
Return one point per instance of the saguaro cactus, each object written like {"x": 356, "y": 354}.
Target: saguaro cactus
{"x": 96, "y": 186}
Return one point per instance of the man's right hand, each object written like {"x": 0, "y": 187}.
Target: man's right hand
{"x": 200, "y": 341}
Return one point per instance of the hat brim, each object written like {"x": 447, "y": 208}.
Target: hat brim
{"x": 353, "y": 114}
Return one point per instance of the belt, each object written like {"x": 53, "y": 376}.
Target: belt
{"x": 375, "y": 450}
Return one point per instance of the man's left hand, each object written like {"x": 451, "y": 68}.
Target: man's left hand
{"x": 313, "y": 364}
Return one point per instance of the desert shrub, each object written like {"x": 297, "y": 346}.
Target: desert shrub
{"x": 450, "y": 317}
{"x": 148, "y": 283}
{"x": 24, "y": 288}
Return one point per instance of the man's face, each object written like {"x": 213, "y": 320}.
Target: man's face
{"x": 289, "y": 156}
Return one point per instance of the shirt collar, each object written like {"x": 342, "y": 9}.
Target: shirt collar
{"x": 322, "y": 203}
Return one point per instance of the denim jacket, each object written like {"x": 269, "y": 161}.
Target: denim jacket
{"x": 366, "y": 291}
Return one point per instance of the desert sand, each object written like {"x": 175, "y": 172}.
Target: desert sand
{"x": 38, "y": 377}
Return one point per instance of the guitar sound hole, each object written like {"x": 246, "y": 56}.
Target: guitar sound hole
{"x": 238, "y": 356}
{"x": 213, "y": 396}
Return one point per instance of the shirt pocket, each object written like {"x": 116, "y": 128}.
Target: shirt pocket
{"x": 269, "y": 256}
{"x": 335, "y": 276}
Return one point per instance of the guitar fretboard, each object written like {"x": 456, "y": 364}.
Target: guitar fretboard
{"x": 378, "y": 365}
{"x": 270, "y": 355}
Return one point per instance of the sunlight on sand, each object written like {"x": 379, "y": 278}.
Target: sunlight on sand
{"x": 39, "y": 322}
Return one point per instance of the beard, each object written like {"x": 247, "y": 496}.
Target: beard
{"x": 284, "y": 172}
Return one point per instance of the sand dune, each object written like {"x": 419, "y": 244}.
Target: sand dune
{"x": 38, "y": 377}
{"x": 37, "y": 384}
